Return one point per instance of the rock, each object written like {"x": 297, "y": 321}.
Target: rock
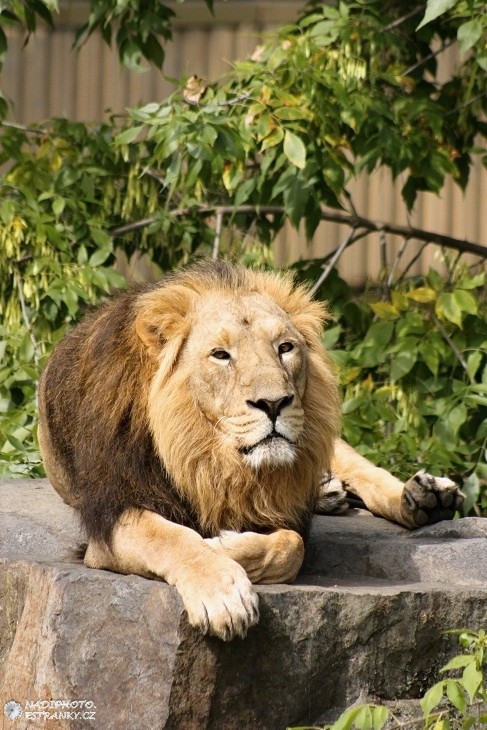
{"x": 367, "y": 615}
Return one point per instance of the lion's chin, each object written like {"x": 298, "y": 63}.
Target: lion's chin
{"x": 276, "y": 452}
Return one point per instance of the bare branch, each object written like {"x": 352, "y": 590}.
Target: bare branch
{"x": 328, "y": 214}
{"x": 25, "y": 317}
{"x": 333, "y": 259}
{"x": 452, "y": 345}
{"x": 413, "y": 260}
{"x": 218, "y": 232}
{"x": 23, "y": 128}
{"x": 397, "y": 261}
{"x": 406, "y": 232}
{"x": 404, "y": 18}
{"x": 427, "y": 58}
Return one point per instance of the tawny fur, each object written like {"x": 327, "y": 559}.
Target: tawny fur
{"x": 191, "y": 422}
{"x": 117, "y": 410}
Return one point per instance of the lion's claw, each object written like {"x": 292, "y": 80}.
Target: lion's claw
{"x": 223, "y": 605}
{"x": 427, "y": 499}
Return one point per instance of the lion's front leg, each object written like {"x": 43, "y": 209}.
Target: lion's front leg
{"x": 424, "y": 499}
{"x": 273, "y": 558}
{"x": 215, "y": 590}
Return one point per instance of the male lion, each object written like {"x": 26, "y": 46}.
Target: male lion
{"x": 191, "y": 423}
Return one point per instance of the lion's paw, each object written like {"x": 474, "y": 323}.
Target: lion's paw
{"x": 222, "y": 603}
{"x": 266, "y": 558}
{"x": 427, "y": 499}
{"x": 332, "y": 496}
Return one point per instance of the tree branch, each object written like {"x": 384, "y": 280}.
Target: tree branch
{"x": 427, "y": 58}
{"x": 404, "y": 18}
{"x": 331, "y": 261}
{"x": 420, "y": 234}
{"x": 349, "y": 219}
{"x": 25, "y": 317}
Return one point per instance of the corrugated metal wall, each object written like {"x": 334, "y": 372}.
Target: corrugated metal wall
{"x": 47, "y": 78}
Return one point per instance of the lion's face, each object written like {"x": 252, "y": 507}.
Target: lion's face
{"x": 247, "y": 368}
{"x": 243, "y": 406}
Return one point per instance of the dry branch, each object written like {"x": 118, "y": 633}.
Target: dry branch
{"x": 352, "y": 220}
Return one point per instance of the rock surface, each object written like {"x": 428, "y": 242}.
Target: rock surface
{"x": 367, "y": 615}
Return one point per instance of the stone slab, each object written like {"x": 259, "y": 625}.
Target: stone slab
{"x": 367, "y": 615}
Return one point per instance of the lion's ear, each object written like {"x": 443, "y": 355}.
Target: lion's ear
{"x": 163, "y": 316}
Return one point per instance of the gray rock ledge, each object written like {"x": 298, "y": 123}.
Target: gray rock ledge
{"x": 367, "y": 615}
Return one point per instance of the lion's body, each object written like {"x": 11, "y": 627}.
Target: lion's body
{"x": 175, "y": 413}
{"x": 128, "y": 433}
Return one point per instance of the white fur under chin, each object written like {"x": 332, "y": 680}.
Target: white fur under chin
{"x": 276, "y": 453}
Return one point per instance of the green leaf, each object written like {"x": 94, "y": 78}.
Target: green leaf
{"x": 472, "y": 282}
{"x": 129, "y": 135}
{"x": 458, "y": 662}
{"x": 422, "y": 294}
{"x": 435, "y": 8}
{"x": 290, "y": 113}
{"x": 468, "y": 34}
{"x": 448, "y": 308}
{"x": 430, "y": 356}
{"x": 150, "y": 109}
{"x": 380, "y": 716}
{"x": 379, "y": 335}
{"x": 466, "y": 301}
{"x": 58, "y": 205}
{"x": 363, "y": 718}
{"x": 272, "y": 139}
{"x": 474, "y": 361}
{"x": 432, "y": 698}
{"x": 456, "y": 695}
{"x": 330, "y": 338}
{"x": 346, "y": 719}
{"x": 471, "y": 679}
{"x": 402, "y": 363}
{"x": 385, "y": 310}
{"x": 130, "y": 55}
{"x": 294, "y": 149}
{"x": 98, "y": 257}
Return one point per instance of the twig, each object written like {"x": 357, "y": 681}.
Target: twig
{"x": 25, "y": 317}
{"x": 404, "y": 18}
{"x": 454, "y": 348}
{"x": 218, "y": 231}
{"x": 467, "y": 104}
{"x": 383, "y": 258}
{"x": 349, "y": 219}
{"x": 23, "y": 128}
{"x": 332, "y": 261}
{"x": 406, "y": 231}
{"x": 413, "y": 260}
{"x": 427, "y": 58}
{"x": 202, "y": 210}
{"x": 397, "y": 261}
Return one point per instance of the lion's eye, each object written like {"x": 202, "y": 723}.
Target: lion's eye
{"x": 220, "y": 354}
{"x": 285, "y": 347}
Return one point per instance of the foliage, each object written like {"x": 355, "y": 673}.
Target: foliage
{"x": 65, "y": 188}
{"x": 349, "y": 87}
{"x": 413, "y": 366}
{"x": 455, "y": 702}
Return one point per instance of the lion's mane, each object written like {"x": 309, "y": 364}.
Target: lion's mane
{"x": 120, "y": 420}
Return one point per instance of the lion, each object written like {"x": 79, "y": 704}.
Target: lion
{"x": 191, "y": 424}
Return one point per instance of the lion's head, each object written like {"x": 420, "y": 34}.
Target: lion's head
{"x": 242, "y": 405}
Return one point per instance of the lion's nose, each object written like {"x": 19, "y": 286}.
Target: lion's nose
{"x": 271, "y": 407}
